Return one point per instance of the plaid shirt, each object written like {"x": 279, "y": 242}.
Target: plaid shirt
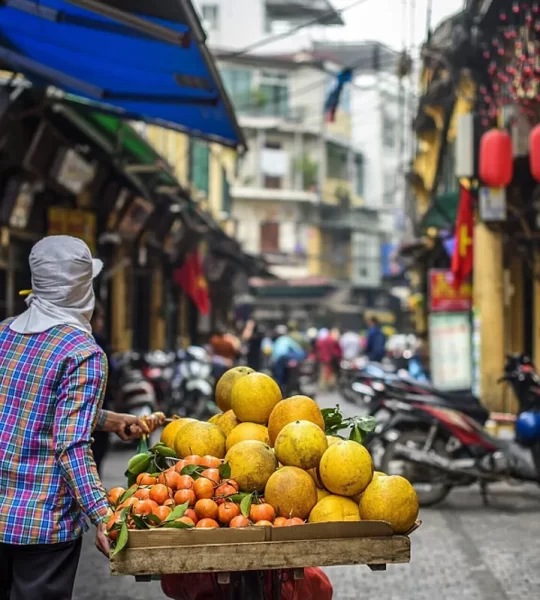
{"x": 51, "y": 390}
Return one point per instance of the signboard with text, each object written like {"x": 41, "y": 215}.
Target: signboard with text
{"x": 443, "y": 297}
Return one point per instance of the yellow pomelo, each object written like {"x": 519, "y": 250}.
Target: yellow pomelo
{"x": 200, "y": 438}
{"x": 334, "y": 508}
{"x": 253, "y": 398}
{"x": 322, "y": 494}
{"x": 292, "y": 492}
{"x": 227, "y": 422}
{"x": 314, "y": 473}
{"x": 168, "y": 434}
{"x": 225, "y": 385}
{"x": 296, "y": 408}
{"x": 247, "y": 431}
{"x": 215, "y": 418}
{"x": 332, "y": 439}
{"x": 392, "y": 499}
{"x": 346, "y": 468}
{"x": 301, "y": 444}
{"x": 252, "y": 463}
{"x": 379, "y": 474}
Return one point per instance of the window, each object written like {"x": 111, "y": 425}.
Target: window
{"x": 366, "y": 258}
{"x": 269, "y": 231}
{"x": 199, "y": 156}
{"x": 449, "y": 181}
{"x": 210, "y": 16}
{"x": 337, "y": 162}
{"x": 389, "y": 131}
{"x": 271, "y": 182}
{"x": 273, "y": 94}
{"x": 238, "y": 83}
{"x": 359, "y": 183}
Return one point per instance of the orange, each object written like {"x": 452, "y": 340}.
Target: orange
{"x": 144, "y": 507}
{"x": 185, "y": 482}
{"x": 280, "y": 521}
{"x": 210, "y": 462}
{"x": 264, "y": 523}
{"x": 115, "y": 518}
{"x": 227, "y": 512}
{"x": 239, "y": 521}
{"x": 204, "y": 488}
{"x": 159, "y": 493}
{"x": 183, "y": 496}
{"x": 186, "y": 520}
{"x": 115, "y": 494}
{"x": 146, "y": 479}
{"x": 193, "y": 459}
{"x": 212, "y": 474}
{"x": 162, "y": 512}
{"x": 170, "y": 479}
{"x": 170, "y": 503}
{"x": 180, "y": 465}
{"x": 294, "y": 521}
{"x": 142, "y": 493}
{"x": 190, "y": 514}
{"x": 226, "y": 489}
{"x": 127, "y": 503}
{"x": 207, "y": 524}
{"x": 206, "y": 509}
{"x": 262, "y": 512}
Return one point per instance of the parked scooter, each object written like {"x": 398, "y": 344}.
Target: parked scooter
{"x": 438, "y": 448}
{"x": 192, "y": 390}
{"x": 158, "y": 368}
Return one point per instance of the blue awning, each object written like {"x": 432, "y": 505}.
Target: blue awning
{"x": 149, "y": 62}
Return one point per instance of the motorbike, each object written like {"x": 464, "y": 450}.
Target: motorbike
{"x": 158, "y": 368}
{"x": 134, "y": 394}
{"x": 192, "y": 386}
{"x": 439, "y": 448}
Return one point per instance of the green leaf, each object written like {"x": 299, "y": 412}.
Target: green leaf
{"x": 153, "y": 519}
{"x": 225, "y": 471}
{"x": 237, "y": 497}
{"x": 177, "y": 525}
{"x": 127, "y": 494}
{"x": 177, "y": 512}
{"x": 192, "y": 470}
{"x": 139, "y": 522}
{"x": 142, "y": 447}
{"x": 357, "y": 435}
{"x": 245, "y": 505}
{"x": 122, "y": 539}
{"x": 131, "y": 479}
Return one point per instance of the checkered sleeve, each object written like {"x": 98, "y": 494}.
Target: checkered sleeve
{"x": 79, "y": 399}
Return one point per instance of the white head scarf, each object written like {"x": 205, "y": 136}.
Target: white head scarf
{"x": 62, "y": 270}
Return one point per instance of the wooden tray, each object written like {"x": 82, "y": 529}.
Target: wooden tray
{"x": 169, "y": 551}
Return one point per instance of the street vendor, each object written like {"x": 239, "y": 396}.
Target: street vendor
{"x": 52, "y": 380}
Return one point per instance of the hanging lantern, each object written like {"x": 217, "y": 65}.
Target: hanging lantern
{"x": 496, "y": 161}
{"x": 534, "y": 152}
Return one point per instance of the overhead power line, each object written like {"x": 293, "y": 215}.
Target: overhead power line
{"x": 280, "y": 36}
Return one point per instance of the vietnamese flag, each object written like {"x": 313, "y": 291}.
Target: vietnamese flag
{"x": 462, "y": 259}
{"x": 191, "y": 278}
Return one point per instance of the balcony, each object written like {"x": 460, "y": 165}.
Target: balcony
{"x": 303, "y": 10}
{"x": 276, "y": 195}
{"x": 348, "y": 218}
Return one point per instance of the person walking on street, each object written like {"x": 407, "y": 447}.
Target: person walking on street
{"x": 350, "y": 343}
{"x": 328, "y": 353}
{"x": 284, "y": 349}
{"x": 376, "y": 340}
{"x": 52, "y": 380}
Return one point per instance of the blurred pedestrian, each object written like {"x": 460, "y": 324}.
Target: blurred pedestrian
{"x": 350, "y": 343}
{"x": 52, "y": 382}
{"x": 285, "y": 348}
{"x": 225, "y": 348}
{"x": 253, "y": 336}
{"x": 328, "y": 352}
{"x": 375, "y": 341}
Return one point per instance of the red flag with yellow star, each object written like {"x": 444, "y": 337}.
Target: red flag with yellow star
{"x": 191, "y": 278}
{"x": 462, "y": 259}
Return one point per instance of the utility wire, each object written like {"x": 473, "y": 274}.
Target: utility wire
{"x": 280, "y": 36}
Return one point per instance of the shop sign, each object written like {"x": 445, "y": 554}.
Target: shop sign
{"x": 443, "y": 297}
{"x": 75, "y": 222}
{"x": 450, "y": 351}
{"x": 74, "y": 172}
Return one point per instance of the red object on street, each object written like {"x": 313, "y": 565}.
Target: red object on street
{"x": 191, "y": 278}
{"x": 534, "y": 152}
{"x": 202, "y": 586}
{"x": 462, "y": 260}
{"x": 496, "y": 162}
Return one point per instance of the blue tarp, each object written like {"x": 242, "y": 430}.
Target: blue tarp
{"x": 150, "y": 68}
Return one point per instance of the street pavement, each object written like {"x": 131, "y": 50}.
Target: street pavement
{"x": 462, "y": 550}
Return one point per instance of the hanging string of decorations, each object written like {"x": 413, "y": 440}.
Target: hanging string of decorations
{"x": 512, "y": 62}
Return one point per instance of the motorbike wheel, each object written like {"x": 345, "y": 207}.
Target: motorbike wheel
{"x": 429, "y": 490}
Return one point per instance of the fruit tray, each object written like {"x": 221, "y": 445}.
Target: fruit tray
{"x": 170, "y": 551}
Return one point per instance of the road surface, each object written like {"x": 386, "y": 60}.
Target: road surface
{"x": 462, "y": 551}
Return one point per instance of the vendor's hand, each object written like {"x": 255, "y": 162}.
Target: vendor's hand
{"x": 127, "y": 427}
{"x": 103, "y": 543}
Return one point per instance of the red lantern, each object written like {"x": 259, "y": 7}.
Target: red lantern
{"x": 496, "y": 161}
{"x": 534, "y": 152}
